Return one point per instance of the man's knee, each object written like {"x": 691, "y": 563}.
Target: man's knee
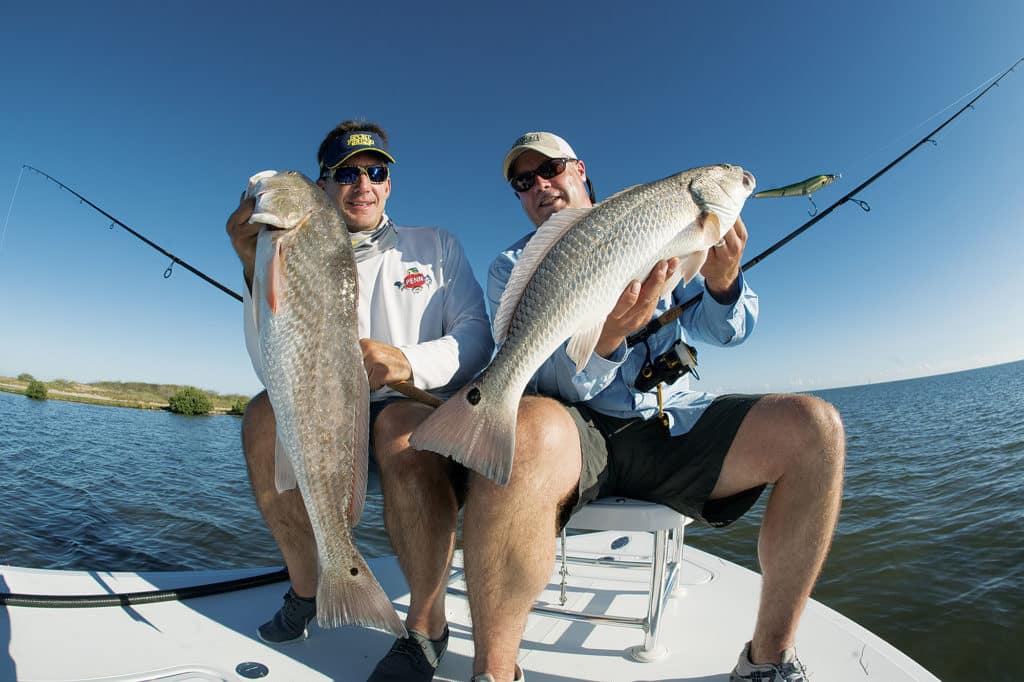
{"x": 821, "y": 430}
{"x": 391, "y": 431}
{"x": 259, "y": 432}
{"x": 547, "y": 445}
{"x": 543, "y": 425}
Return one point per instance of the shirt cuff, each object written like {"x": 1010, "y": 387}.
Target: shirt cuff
{"x": 726, "y": 308}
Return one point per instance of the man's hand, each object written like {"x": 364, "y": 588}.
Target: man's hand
{"x": 384, "y": 364}
{"x": 721, "y": 270}
{"x": 243, "y": 236}
{"x": 635, "y": 307}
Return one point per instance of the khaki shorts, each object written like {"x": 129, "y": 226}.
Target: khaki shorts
{"x": 642, "y": 460}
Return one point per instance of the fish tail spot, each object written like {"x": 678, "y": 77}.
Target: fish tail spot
{"x": 354, "y": 571}
{"x": 473, "y": 397}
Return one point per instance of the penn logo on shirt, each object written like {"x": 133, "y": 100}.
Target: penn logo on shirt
{"x": 413, "y": 281}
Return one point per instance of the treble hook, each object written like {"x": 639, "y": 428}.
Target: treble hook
{"x": 813, "y": 211}
{"x": 111, "y": 226}
{"x": 863, "y": 204}
{"x": 934, "y": 143}
{"x": 170, "y": 270}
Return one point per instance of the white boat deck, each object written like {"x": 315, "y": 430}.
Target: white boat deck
{"x": 213, "y": 638}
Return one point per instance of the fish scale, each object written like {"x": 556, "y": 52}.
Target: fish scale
{"x": 565, "y": 283}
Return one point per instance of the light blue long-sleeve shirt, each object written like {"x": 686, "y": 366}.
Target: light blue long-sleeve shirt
{"x": 606, "y": 384}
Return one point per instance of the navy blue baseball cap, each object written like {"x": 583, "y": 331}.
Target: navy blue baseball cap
{"x": 348, "y": 145}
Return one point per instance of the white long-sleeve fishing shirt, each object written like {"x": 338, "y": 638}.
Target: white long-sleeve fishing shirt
{"x": 420, "y": 296}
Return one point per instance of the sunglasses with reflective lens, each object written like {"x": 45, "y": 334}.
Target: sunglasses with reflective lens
{"x": 546, "y": 170}
{"x": 349, "y": 175}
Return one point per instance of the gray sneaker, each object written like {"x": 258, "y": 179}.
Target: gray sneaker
{"x": 487, "y": 677}
{"x": 789, "y": 670}
{"x": 289, "y": 623}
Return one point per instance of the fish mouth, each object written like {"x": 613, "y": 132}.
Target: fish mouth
{"x": 747, "y": 182}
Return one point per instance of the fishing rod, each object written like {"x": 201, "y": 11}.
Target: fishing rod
{"x": 405, "y": 388}
{"x": 174, "y": 259}
{"x": 681, "y": 363}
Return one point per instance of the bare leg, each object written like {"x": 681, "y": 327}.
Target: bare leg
{"x": 509, "y": 532}
{"x": 798, "y": 444}
{"x": 284, "y": 513}
{"x": 420, "y": 513}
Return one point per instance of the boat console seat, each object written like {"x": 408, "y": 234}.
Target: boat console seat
{"x": 664, "y": 562}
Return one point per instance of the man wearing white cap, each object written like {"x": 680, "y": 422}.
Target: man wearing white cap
{"x": 706, "y": 456}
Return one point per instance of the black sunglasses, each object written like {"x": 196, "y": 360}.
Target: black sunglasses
{"x": 349, "y": 175}
{"x": 546, "y": 170}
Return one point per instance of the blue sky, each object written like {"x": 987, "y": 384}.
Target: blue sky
{"x": 159, "y": 114}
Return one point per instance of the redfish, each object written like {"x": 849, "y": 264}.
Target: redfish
{"x": 566, "y": 282}
{"x": 304, "y": 289}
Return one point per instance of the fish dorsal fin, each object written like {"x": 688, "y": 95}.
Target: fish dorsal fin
{"x": 547, "y": 235}
{"x": 582, "y": 343}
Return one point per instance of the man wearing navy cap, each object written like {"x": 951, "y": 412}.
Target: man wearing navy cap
{"x": 421, "y": 320}
{"x": 706, "y": 456}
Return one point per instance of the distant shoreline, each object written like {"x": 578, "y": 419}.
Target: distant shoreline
{"x": 141, "y": 397}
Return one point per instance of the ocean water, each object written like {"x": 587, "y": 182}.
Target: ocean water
{"x": 929, "y": 552}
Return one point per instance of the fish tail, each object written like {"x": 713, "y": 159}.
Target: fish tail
{"x": 349, "y": 594}
{"x": 474, "y": 429}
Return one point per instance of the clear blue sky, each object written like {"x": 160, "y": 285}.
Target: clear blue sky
{"x": 159, "y": 113}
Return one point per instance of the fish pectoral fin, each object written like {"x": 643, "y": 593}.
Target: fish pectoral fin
{"x": 689, "y": 266}
{"x": 711, "y": 224}
{"x": 582, "y": 343}
{"x": 273, "y": 278}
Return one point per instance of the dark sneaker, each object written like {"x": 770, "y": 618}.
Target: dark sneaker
{"x": 411, "y": 659}
{"x": 789, "y": 670}
{"x": 289, "y": 623}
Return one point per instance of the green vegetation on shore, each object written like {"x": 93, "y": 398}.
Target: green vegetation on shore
{"x": 122, "y": 394}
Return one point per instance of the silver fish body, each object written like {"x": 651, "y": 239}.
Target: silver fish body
{"x": 305, "y": 292}
{"x": 566, "y": 282}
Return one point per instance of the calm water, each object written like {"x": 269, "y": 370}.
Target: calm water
{"x": 929, "y": 553}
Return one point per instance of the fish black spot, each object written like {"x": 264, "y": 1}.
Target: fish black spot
{"x": 473, "y": 396}
{"x": 354, "y": 571}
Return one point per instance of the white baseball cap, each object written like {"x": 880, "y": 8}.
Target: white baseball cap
{"x": 548, "y": 144}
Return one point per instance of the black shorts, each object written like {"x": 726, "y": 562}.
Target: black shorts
{"x": 642, "y": 460}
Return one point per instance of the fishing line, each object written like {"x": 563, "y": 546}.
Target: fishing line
{"x": 673, "y": 313}
{"x": 915, "y": 128}
{"x": 174, "y": 259}
{"x": 3, "y": 234}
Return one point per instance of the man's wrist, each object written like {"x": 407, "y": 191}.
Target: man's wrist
{"x": 726, "y": 292}
{"x": 609, "y": 346}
